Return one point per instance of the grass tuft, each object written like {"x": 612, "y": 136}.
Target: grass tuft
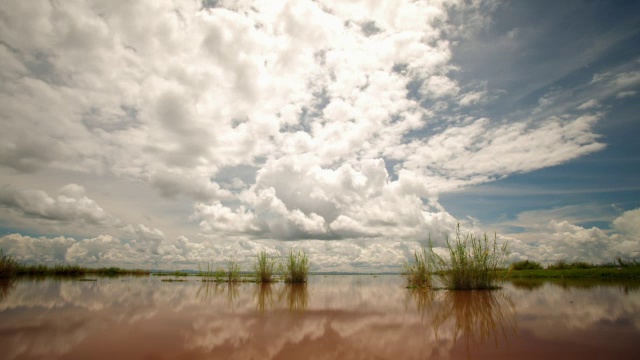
{"x": 8, "y": 265}
{"x": 265, "y": 267}
{"x": 473, "y": 263}
{"x": 418, "y": 273}
{"x": 296, "y": 267}
{"x": 233, "y": 271}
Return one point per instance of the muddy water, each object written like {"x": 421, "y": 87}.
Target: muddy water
{"x": 333, "y": 317}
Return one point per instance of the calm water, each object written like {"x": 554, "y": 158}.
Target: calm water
{"x": 333, "y": 317}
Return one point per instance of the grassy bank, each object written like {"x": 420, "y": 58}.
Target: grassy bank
{"x": 74, "y": 270}
{"x": 562, "y": 269}
{"x": 9, "y": 267}
{"x": 578, "y": 273}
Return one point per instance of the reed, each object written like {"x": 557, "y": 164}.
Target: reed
{"x": 473, "y": 263}
{"x": 8, "y": 265}
{"x": 296, "y": 267}
{"x": 265, "y": 267}
{"x": 418, "y": 273}
{"x": 233, "y": 271}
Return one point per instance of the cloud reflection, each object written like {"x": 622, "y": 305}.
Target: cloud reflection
{"x": 333, "y": 317}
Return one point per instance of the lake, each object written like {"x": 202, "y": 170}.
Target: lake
{"x": 331, "y": 317}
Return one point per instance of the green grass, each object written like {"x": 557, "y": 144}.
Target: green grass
{"x": 296, "y": 267}
{"x": 265, "y": 267}
{"x": 473, "y": 263}
{"x": 418, "y": 273}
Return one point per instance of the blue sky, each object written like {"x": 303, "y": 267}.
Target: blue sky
{"x": 596, "y": 188}
{"x": 164, "y": 135}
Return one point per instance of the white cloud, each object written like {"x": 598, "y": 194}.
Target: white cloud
{"x": 481, "y": 151}
{"x": 589, "y": 105}
{"x": 439, "y": 86}
{"x": 472, "y": 98}
{"x": 628, "y": 222}
{"x": 558, "y": 239}
{"x": 624, "y": 94}
{"x": 71, "y": 205}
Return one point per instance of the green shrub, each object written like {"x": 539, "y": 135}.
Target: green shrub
{"x": 265, "y": 267}
{"x": 418, "y": 273}
{"x": 473, "y": 263}
{"x": 296, "y": 267}
{"x": 559, "y": 265}
{"x": 526, "y": 265}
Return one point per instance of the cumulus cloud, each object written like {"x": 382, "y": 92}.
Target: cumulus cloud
{"x": 70, "y": 205}
{"x": 343, "y": 112}
{"x": 200, "y": 189}
{"x": 558, "y": 239}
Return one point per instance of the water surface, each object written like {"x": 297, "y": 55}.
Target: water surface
{"x": 332, "y": 317}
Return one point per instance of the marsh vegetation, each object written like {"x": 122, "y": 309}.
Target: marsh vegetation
{"x": 265, "y": 267}
{"x": 9, "y": 267}
{"x": 417, "y": 274}
{"x": 296, "y": 267}
{"x": 618, "y": 269}
{"x": 471, "y": 263}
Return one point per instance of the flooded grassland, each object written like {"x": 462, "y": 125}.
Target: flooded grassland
{"x": 331, "y": 317}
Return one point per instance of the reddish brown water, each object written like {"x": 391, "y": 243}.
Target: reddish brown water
{"x": 333, "y": 317}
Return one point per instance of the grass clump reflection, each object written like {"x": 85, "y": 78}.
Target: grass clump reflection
{"x": 297, "y": 296}
{"x": 478, "y": 316}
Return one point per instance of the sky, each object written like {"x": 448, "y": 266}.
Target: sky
{"x": 167, "y": 134}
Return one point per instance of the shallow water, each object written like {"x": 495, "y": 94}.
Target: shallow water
{"x": 333, "y": 317}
